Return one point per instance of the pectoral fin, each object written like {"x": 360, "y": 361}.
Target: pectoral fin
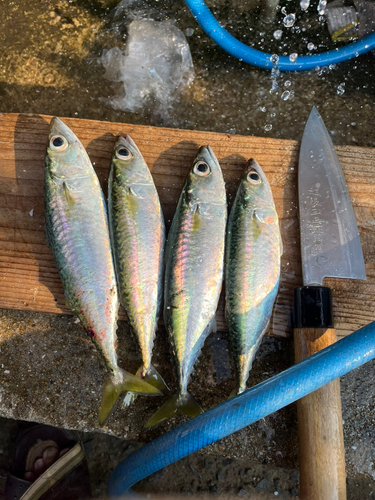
{"x": 68, "y": 196}
{"x": 264, "y": 214}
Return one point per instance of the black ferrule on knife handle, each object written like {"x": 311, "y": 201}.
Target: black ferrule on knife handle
{"x": 313, "y": 307}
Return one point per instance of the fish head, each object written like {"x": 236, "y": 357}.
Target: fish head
{"x": 254, "y": 185}
{"x": 66, "y": 157}
{"x": 129, "y": 162}
{"x": 205, "y": 183}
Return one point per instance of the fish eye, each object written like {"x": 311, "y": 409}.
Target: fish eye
{"x": 201, "y": 168}
{"x": 253, "y": 177}
{"x": 58, "y": 143}
{"x": 123, "y": 153}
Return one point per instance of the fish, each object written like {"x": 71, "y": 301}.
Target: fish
{"x": 194, "y": 258}
{"x": 252, "y": 268}
{"x": 77, "y": 231}
{"x": 137, "y": 233}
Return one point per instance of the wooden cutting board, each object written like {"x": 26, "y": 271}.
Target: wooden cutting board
{"x": 28, "y": 275}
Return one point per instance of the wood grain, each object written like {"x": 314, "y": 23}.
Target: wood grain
{"x": 320, "y": 432}
{"x": 28, "y": 275}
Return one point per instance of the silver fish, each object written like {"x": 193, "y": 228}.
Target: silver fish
{"x": 194, "y": 271}
{"x": 252, "y": 268}
{"x": 138, "y": 236}
{"x": 77, "y": 231}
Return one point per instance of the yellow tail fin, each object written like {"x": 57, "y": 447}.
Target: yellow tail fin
{"x": 112, "y": 391}
{"x": 152, "y": 377}
{"x": 236, "y": 391}
{"x": 185, "y": 404}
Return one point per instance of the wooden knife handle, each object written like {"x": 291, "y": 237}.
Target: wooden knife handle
{"x": 320, "y": 433}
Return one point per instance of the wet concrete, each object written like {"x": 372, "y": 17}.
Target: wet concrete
{"x": 49, "y": 370}
{"x": 50, "y": 65}
{"x": 51, "y": 373}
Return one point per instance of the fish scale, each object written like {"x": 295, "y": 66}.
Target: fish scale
{"x": 194, "y": 265}
{"x": 77, "y": 231}
{"x": 194, "y": 271}
{"x": 74, "y": 226}
{"x": 138, "y": 236}
{"x": 252, "y": 273}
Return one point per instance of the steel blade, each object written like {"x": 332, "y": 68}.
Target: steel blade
{"x": 330, "y": 243}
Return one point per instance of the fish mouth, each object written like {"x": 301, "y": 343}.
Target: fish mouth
{"x": 206, "y": 154}
{"x": 128, "y": 142}
{"x": 253, "y": 166}
{"x": 58, "y": 127}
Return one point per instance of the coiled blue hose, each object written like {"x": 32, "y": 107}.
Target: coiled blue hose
{"x": 260, "y": 59}
{"x": 245, "y": 409}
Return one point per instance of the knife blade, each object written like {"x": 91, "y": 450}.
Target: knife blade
{"x": 330, "y": 243}
{"x": 330, "y": 247}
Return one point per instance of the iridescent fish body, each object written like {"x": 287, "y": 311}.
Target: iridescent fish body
{"x": 252, "y": 268}
{"x": 77, "y": 231}
{"x": 194, "y": 271}
{"x": 138, "y": 236}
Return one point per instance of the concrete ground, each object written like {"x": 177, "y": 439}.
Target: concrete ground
{"x": 49, "y": 64}
{"x": 260, "y": 459}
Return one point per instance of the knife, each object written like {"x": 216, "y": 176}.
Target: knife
{"x": 330, "y": 247}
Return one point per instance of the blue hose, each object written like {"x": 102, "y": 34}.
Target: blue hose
{"x": 260, "y": 59}
{"x": 245, "y": 409}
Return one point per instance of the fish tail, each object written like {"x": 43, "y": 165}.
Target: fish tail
{"x": 152, "y": 377}
{"x": 185, "y": 404}
{"x": 236, "y": 391}
{"x": 113, "y": 389}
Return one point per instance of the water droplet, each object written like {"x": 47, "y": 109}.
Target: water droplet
{"x": 332, "y": 66}
{"x": 341, "y": 89}
{"x": 293, "y": 57}
{"x": 275, "y": 72}
{"x": 289, "y": 20}
{"x": 189, "y": 31}
{"x": 311, "y": 46}
{"x": 322, "y": 7}
{"x": 288, "y": 83}
{"x": 283, "y": 11}
{"x": 277, "y": 34}
{"x": 263, "y": 109}
{"x": 267, "y": 127}
{"x": 274, "y": 59}
{"x": 322, "y": 260}
{"x": 304, "y": 4}
{"x": 285, "y": 95}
